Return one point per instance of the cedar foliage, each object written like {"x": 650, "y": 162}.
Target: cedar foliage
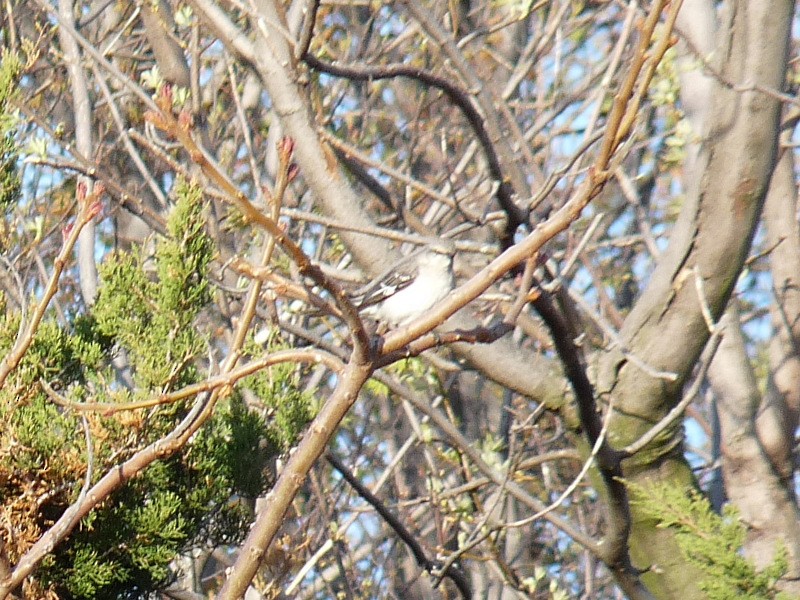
{"x": 9, "y": 177}
{"x": 125, "y": 548}
{"x": 712, "y": 542}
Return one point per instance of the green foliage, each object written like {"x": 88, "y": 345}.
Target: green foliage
{"x": 10, "y": 70}
{"x": 416, "y": 373}
{"x": 149, "y": 308}
{"x": 666, "y": 86}
{"x": 664, "y": 92}
{"x": 166, "y": 509}
{"x": 376, "y": 388}
{"x": 288, "y": 408}
{"x": 197, "y": 497}
{"x": 153, "y": 320}
{"x": 59, "y": 354}
{"x": 712, "y": 542}
{"x": 46, "y": 438}
{"x": 237, "y": 467}
{"x": 183, "y": 258}
{"x": 130, "y": 543}
{"x": 675, "y": 144}
{"x": 94, "y": 573}
{"x": 41, "y": 430}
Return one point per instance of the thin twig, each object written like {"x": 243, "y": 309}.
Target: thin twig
{"x": 455, "y": 575}
{"x": 705, "y": 309}
{"x": 576, "y": 480}
{"x": 307, "y": 32}
{"x": 226, "y": 379}
{"x": 617, "y": 341}
{"x": 354, "y": 152}
{"x": 89, "y": 207}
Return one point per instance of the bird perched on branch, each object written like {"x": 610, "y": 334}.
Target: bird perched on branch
{"x": 410, "y": 288}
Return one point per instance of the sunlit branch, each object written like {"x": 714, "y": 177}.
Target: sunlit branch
{"x": 225, "y": 380}
{"x": 89, "y": 207}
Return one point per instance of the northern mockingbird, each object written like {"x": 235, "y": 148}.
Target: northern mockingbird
{"x": 410, "y": 288}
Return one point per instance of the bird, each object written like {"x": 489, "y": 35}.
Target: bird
{"x": 409, "y": 289}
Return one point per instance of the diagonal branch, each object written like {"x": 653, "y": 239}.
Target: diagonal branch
{"x": 454, "y": 574}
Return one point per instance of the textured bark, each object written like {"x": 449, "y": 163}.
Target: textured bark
{"x": 758, "y": 429}
{"x": 700, "y": 267}
{"x": 753, "y": 483}
{"x": 778, "y": 418}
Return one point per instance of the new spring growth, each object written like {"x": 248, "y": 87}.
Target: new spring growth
{"x": 292, "y": 172}
{"x": 185, "y": 120}
{"x": 285, "y": 149}
{"x": 89, "y": 204}
{"x": 164, "y": 102}
{"x": 164, "y": 98}
{"x": 285, "y": 152}
{"x": 93, "y": 203}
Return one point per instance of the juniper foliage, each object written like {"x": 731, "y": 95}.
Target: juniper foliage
{"x": 149, "y": 310}
{"x": 711, "y": 541}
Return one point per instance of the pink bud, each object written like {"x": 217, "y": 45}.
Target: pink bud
{"x": 94, "y": 209}
{"x": 80, "y": 191}
{"x": 286, "y": 147}
{"x": 165, "y": 97}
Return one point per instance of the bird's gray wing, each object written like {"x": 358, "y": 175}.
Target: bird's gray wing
{"x": 381, "y": 289}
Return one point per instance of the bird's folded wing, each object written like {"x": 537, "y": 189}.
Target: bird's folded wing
{"x": 380, "y": 290}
